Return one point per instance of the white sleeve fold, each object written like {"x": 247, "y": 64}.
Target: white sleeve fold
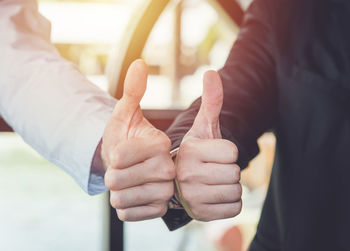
{"x": 45, "y": 98}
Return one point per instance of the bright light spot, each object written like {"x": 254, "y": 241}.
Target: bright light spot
{"x": 86, "y": 22}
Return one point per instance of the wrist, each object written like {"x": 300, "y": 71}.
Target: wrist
{"x": 97, "y": 166}
{"x": 177, "y": 201}
{"x": 174, "y": 202}
{"x": 173, "y": 153}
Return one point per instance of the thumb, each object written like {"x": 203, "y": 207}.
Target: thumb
{"x": 206, "y": 124}
{"x": 134, "y": 88}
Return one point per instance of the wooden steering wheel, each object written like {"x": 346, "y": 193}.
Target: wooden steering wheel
{"x": 138, "y": 32}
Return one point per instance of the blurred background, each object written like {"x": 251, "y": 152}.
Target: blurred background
{"x": 41, "y": 208}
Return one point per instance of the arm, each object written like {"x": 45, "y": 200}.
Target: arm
{"x": 63, "y": 116}
{"x": 250, "y": 93}
{"x": 46, "y": 99}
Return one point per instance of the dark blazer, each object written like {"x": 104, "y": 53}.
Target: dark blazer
{"x": 289, "y": 72}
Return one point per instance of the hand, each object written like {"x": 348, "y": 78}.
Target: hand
{"x": 140, "y": 172}
{"x": 207, "y": 177}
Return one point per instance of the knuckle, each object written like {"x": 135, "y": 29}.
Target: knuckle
{"x": 205, "y": 219}
{"x": 168, "y": 192}
{"x": 184, "y": 175}
{"x": 164, "y": 169}
{"x": 104, "y": 155}
{"x": 233, "y": 148}
{"x": 113, "y": 202}
{"x": 112, "y": 180}
{"x": 180, "y": 174}
{"x": 115, "y": 158}
{"x": 162, "y": 210}
{"x": 122, "y": 215}
{"x": 188, "y": 147}
{"x": 236, "y": 173}
{"x": 189, "y": 196}
{"x": 235, "y": 152}
{"x": 109, "y": 180}
{"x": 199, "y": 213}
{"x": 163, "y": 196}
{"x": 168, "y": 169}
{"x": 170, "y": 173}
{"x": 195, "y": 212}
{"x": 116, "y": 200}
{"x": 164, "y": 142}
{"x": 237, "y": 190}
{"x": 238, "y": 208}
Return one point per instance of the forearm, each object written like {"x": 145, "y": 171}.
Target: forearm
{"x": 249, "y": 86}
{"x": 44, "y": 97}
{"x": 250, "y": 93}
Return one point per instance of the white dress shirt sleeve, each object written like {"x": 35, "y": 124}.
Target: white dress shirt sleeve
{"x": 46, "y": 99}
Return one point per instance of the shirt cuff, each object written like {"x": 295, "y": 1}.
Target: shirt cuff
{"x": 96, "y": 183}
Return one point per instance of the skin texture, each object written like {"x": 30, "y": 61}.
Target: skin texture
{"x": 206, "y": 172}
{"x": 140, "y": 172}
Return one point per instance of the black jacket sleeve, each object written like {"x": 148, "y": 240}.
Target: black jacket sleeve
{"x": 250, "y": 90}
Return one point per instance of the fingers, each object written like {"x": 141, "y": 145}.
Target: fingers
{"x": 217, "y": 211}
{"x": 142, "y": 202}
{"x": 213, "y": 202}
{"x": 142, "y": 212}
{"x": 208, "y": 179}
{"x": 136, "y": 154}
{"x": 198, "y": 195}
{"x": 158, "y": 193}
{"x": 212, "y": 174}
{"x": 140, "y": 177}
{"x": 209, "y": 150}
{"x": 135, "y": 150}
{"x": 158, "y": 169}
{"x": 220, "y": 194}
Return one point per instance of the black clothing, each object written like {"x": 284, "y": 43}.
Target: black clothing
{"x": 289, "y": 71}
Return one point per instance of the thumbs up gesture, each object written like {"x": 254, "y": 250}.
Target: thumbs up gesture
{"x": 140, "y": 172}
{"x": 207, "y": 176}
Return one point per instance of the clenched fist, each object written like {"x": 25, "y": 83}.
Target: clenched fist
{"x": 140, "y": 172}
{"x": 207, "y": 176}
